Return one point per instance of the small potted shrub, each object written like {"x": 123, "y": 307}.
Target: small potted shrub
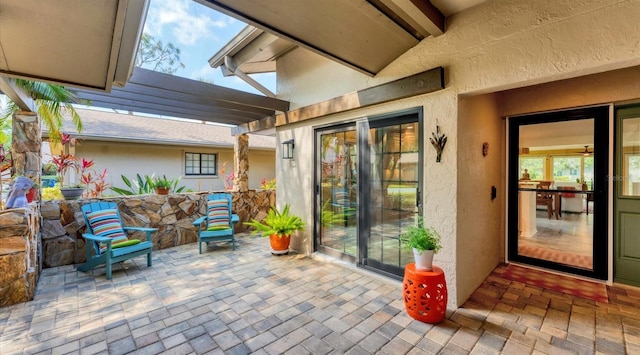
{"x": 278, "y": 226}
{"x": 424, "y": 242}
{"x": 162, "y": 185}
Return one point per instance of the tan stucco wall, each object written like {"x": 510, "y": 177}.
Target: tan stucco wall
{"x": 480, "y": 219}
{"x": 495, "y": 46}
{"x": 130, "y": 159}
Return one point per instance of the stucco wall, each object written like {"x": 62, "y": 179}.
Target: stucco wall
{"x": 498, "y": 45}
{"x": 480, "y": 219}
{"x": 129, "y": 159}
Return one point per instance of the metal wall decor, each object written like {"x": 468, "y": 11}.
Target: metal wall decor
{"x": 438, "y": 141}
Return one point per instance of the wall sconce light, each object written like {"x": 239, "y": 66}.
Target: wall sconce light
{"x": 287, "y": 149}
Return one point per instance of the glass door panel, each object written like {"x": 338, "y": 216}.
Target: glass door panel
{"x": 556, "y": 225}
{"x": 338, "y": 192}
{"x": 392, "y": 193}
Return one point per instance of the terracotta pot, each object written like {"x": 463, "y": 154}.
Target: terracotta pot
{"x": 162, "y": 190}
{"x": 279, "y": 245}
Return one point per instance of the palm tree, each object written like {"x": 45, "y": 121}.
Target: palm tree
{"x": 51, "y": 101}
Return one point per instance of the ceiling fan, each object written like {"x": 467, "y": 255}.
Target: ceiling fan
{"x": 586, "y": 151}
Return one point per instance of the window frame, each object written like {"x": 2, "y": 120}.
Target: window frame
{"x": 200, "y": 164}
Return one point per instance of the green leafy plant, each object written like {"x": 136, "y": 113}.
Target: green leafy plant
{"x": 276, "y": 222}
{"x": 421, "y": 238}
{"x": 171, "y": 184}
{"x": 140, "y": 186}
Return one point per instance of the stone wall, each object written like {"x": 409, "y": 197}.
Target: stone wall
{"x": 173, "y": 215}
{"x": 20, "y": 261}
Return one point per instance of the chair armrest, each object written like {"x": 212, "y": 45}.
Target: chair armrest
{"x": 235, "y": 219}
{"x": 199, "y": 221}
{"x": 140, "y": 229}
{"x": 148, "y": 231}
{"x": 95, "y": 238}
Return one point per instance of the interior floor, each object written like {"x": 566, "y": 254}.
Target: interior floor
{"x": 567, "y": 240}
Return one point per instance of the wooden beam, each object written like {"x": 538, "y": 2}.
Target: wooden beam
{"x": 189, "y": 98}
{"x": 218, "y": 118}
{"x": 418, "y": 84}
{"x": 186, "y": 86}
{"x": 141, "y": 101}
{"x": 19, "y": 97}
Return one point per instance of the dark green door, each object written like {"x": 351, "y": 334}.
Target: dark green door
{"x": 627, "y": 197}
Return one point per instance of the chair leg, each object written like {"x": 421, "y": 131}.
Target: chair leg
{"x": 109, "y": 270}
{"x": 149, "y": 259}
{"x": 549, "y": 213}
{"x": 200, "y": 246}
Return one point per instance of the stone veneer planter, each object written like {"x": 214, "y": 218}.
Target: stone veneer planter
{"x": 173, "y": 215}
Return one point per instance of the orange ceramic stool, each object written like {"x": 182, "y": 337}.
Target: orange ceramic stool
{"x": 425, "y": 294}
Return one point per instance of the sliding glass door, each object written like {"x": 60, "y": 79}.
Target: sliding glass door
{"x": 368, "y": 190}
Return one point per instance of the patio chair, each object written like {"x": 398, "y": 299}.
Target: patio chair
{"x": 218, "y": 224}
{"x": 106, "y": 239}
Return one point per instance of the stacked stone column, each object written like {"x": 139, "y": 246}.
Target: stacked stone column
{"x": 241, "y": 163}
{"x": 20, "y": 245}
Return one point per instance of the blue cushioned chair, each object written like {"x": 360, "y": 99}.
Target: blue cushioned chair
{"x": 218, "y": 224}
{"x": 106, "y": 240}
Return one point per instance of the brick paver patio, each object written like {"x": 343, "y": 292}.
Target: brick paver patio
{"x": 247, "y": 301}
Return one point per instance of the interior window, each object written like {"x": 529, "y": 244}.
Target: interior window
{"x": 534, "y": 167}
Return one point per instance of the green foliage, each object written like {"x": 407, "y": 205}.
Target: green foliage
{"x": 51, "y": 193}
{"x": 421, "y": 238}
{"x": 49, "y": 169}
{"x": 268, "y": 184}
{"x": 277, "y": 222}
{"x": 51, "y": 101}
{"x": 171, "y": 184}
{"x": 155, "y": 55}
{"x": 331, "y": 217}
{"x": 144, "y": 185}
{"x": 140, "y": 186}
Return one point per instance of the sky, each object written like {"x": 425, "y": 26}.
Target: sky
{"x": 199, "y": 32}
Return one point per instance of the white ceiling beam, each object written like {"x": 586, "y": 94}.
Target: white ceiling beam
{"x": 231, "y": 66}
{"x": 19, "y": 97}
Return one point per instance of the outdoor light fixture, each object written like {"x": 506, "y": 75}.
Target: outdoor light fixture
{"x": 586, "y": 152}
{"x": 287, "y": 149}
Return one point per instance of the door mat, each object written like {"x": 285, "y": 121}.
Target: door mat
{"x": 582, "y": 261}
{"x": 563, "y": 284}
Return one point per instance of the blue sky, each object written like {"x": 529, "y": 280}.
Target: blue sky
{"x": 199, "y": 32}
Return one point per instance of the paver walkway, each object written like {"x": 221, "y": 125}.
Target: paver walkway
{"x": 247, "y": 301}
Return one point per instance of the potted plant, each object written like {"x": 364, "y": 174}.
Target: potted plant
{"x": 65, "y": 162}
{"x": 163, "y": 185}
{"x": 424, "y": 242}
{"x": 278, "y": 226}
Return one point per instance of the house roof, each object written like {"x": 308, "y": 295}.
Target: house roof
{"x": 119, "y": 127}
